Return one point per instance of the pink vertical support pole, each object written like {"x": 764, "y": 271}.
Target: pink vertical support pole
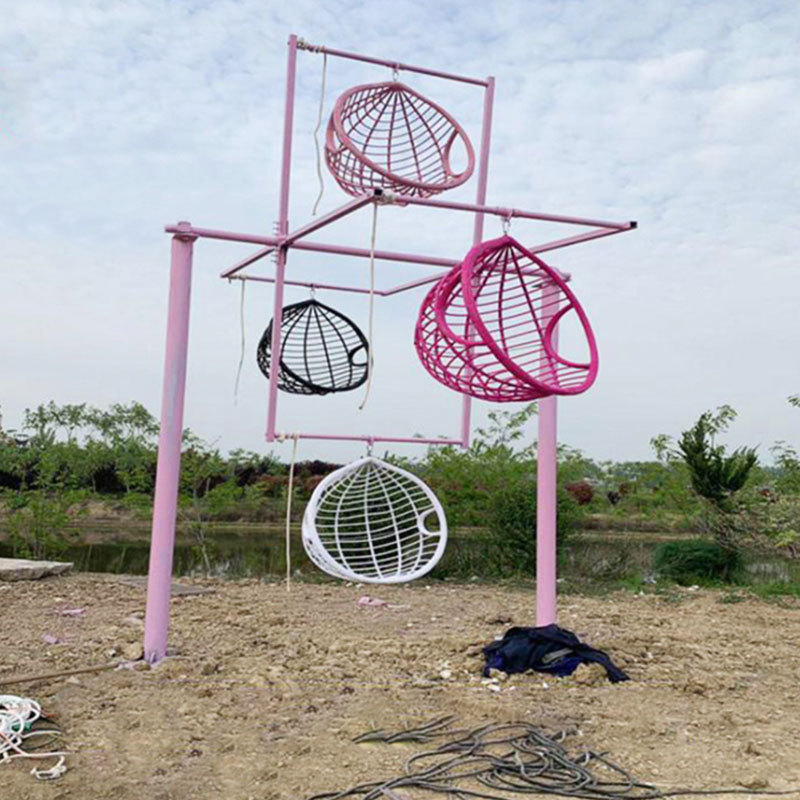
{"x": 283, "y": 229}
{"x": 159, "y": 579}
{"x": 546, "y": 503}
{"x": 477, "y": 236}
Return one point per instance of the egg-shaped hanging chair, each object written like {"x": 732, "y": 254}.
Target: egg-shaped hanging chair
{"x": 373, "y": 522}
{"x": 322, "y": 350}
{"x": 488, "y": 328}
{"x": 471, "y": 369}
{"x": 387, "y": 136}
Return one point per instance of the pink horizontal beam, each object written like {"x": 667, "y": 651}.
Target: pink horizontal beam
{"x": 511, "y": 212}
{"x": 582, "y": 237}
{"x": 257, "y": 256}
{"x": 338, "y": 213}
{"x": 317, "y": 247}
{"x": 291, "y": 237}
{"x": 302, "y": 45}
{"x": 368, "y": 439}
{"x": 404, "y": 287}
{"x": 308, "y": 284}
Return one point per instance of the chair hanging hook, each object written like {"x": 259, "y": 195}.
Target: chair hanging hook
{"x": 370, "y": 445}
{"x": 506, "y": 224}
{"x": 395, "y": 72}
{"x": 312, "y": 291}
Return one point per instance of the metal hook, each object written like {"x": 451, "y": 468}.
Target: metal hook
{"x": 395, "y": 72}
{"x": 370, "y": 445}
{"x": 312, "y": 291}
{"x": 506, "y": 224}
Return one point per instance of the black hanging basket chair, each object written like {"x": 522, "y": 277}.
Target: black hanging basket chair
{"x": 322, "y": 351}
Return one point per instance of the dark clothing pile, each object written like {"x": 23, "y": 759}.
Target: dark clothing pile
{"x": 550, "y": 649}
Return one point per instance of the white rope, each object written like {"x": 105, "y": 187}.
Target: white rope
{"x": 316, "y": 132}
{"x": 50, "y": 774}
{"x": 370, "y": 339}
{"x": 289, "y": 515}
{"x": 17, "y": 716}
{"x": 241, "y": 354}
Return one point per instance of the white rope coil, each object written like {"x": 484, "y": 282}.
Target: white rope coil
{"x": 17, "y": 717}
{"x": 373, "y": 522}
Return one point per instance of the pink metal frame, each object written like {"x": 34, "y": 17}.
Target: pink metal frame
{"x": 184, "y": 235}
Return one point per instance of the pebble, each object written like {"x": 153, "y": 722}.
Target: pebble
{"x": 132, "y": 651}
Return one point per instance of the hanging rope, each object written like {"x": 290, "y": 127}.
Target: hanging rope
{"x": 370, "y": 339}
{"x": 289, "y": 515}
{"x": 241, "y": 354}
{"x": 316, "y": 133}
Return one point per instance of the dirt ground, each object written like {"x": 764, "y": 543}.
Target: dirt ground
{"x": 266, "y": 689}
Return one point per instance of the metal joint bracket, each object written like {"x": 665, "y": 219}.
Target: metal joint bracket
{"x": 184, "y": 232}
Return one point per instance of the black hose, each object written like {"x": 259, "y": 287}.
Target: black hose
{"x": 506, "y": 760}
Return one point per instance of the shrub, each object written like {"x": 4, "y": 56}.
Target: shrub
{"x": 698, "y": 561}
{"x": 40, "y": 529}
{"x": 512, "y": 525}
{"x": 581, "y": 491}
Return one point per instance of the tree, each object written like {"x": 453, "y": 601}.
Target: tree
{"x": 715, "y": 474}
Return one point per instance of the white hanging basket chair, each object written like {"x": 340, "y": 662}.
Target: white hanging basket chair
{"x": 372, "y": 522}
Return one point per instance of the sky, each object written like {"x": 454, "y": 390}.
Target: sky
{"x": 117, "y": 118}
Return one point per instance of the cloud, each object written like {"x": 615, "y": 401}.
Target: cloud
{"x": 118, "y": 118}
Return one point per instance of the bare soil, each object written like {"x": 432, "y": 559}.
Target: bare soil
{"x": 267, "y": 689}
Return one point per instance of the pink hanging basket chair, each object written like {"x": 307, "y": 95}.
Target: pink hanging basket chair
{"x": 387, "y": 136}
{"x": 487, "y": 328}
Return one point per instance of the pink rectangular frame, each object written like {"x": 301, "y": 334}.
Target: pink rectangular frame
{"x": 279, "y": 245}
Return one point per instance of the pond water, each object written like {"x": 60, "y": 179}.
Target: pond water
{"x": 235, "y": 550}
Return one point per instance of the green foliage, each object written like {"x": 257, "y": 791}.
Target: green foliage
{"x": 715, "y": 475}
{"x": 776, "y": 589}
{"x": 778, "y": 517}
{"x": 787, "y": 468}
{"x": 698, "y": 561}
{"x": 512, "y": 524}
{"x": 39, "y": 529}
{"x": 467, "y": 480}
{"x": 77, "y": 452}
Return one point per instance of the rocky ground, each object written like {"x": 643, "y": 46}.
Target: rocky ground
{"x": 266, "y": 689}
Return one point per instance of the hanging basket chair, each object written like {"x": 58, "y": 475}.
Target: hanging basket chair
{"x": 487, "y": 328}
{"x": 322, "y": 351}
{"x": 469, "y": 369}
{"x": 387, "y": 136}
{"x": 373, "y": 522}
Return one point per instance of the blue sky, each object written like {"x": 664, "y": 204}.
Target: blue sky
{"x": 120, "y": 117}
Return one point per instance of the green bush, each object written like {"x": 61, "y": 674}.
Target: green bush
{"x": 698, "y": 561}
{"x": 512, "y": 525}
{"x": 41, "y": 528}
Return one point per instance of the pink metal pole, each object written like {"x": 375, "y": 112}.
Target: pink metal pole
{"x": 581, "y": 237}
{"x": 511, "y": 213}
{"x": 159, "y": 579}
{"x": 310, "y": 285}
{"x": 336, "y": 437}
{"x": 477, "y": 235}
{"x": 346, "y": 209}
{"x": 546, "y": 482}
{"x": 394, "y": 64}
{"x": 333, "y": 216}
{"x": 283, "y": 229}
